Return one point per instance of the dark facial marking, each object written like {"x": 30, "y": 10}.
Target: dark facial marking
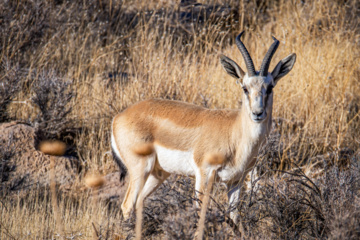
{"x": 245, "y": 90}
{"x": 269, "y": 89}
{"x": 268, "y": 93}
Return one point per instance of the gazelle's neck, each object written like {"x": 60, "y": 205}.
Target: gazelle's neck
{"x": 248, "y": 136}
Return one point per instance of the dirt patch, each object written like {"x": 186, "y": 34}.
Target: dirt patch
{"x": 113, "y": 190}
{"x": 24, "y": 167}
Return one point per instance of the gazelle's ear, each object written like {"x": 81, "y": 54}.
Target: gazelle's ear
{"x": 283, "y": 67}
{"x": 231, "y": 67}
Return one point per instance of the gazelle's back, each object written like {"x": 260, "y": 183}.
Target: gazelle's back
{"x": 180, "y": 113}
{"x": 174, "y": 125}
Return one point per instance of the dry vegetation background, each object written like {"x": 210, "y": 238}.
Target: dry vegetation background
{"x": 67, "y": 67}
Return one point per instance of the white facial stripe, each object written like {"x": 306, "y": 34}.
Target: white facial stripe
{"x": 256, "y": 101}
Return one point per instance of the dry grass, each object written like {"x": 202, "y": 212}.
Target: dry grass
{"x": 102, "y": 56}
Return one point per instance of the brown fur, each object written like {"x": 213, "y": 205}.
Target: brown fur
{"x": 174, "y": 125}
{"x": 177, "y": 120}
{"x": 185, "y": 127}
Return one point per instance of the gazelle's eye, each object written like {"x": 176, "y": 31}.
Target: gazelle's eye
{"x": 245, "y": 90}
{"x": 269, "y": 90}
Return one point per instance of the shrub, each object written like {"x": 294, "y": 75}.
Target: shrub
{"x": 53, "y": 97}
{"x": 9, "y": 86}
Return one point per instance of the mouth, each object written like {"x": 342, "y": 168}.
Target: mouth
{"x": 258, "y": 118}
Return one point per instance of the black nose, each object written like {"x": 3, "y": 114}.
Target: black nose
{"x": 258, "y": 114}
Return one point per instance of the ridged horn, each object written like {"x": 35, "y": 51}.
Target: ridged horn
{"x": 248, "y": 61}
{"x": 267, "y": 59}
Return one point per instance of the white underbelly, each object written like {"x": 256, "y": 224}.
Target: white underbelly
{"x": 176, "y": 161}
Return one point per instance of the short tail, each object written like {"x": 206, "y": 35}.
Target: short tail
{"x": 123, "y": 169}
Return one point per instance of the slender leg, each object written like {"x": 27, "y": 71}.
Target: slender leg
{"x": 136, "y": 184}
{"x": 200, "y": 185}
{"x": 132, "y": 194}
{"x": 234, "y": 197}
{"x": 126, "y": 206}
{"x": 200, "y": 231}
{"x": 155, "y": 179}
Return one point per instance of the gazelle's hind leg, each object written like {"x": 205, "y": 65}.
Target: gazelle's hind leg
{"x": 155, "y": 179}
{"x": 137, "y": 177}
{"x": 126, "y": 204}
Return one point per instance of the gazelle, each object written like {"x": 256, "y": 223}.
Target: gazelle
{"x": 182, "y": 134}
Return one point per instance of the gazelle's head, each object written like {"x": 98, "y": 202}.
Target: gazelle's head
{"x": 258, "y": 85}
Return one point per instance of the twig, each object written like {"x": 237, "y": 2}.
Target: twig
{"x": 7, "y": 231}
{"x": 95, "y": 231}
{"x": 54, "y": 197}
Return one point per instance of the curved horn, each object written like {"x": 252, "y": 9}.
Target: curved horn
{"x": 248, "y": 61}
{"x": 267, "y": 59}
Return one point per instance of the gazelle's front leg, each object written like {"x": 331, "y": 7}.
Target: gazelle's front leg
{"x": 200, "y": 184}
{"x": 234, "y": 198}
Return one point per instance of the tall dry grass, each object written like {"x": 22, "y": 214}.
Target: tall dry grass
{"x": 116, "y": 53}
